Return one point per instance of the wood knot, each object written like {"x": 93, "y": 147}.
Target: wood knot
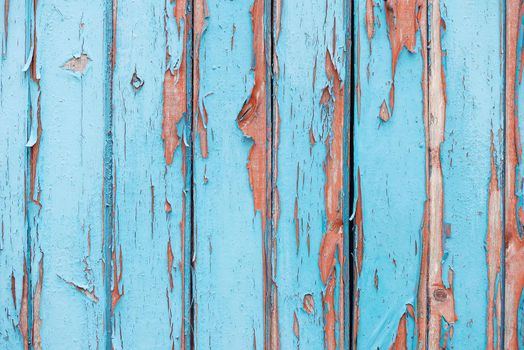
{"x": 136, "y": 82}
{"x": 309, "y": 304}
{"x": 440, "y": 294}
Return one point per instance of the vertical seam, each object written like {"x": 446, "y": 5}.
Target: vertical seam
{"x": 269, "y": 243}
{"x": 30, "y": 21}
{"x": 349, "y": 232}
{"x": 502, "y": 280}
{"x": 108, "y": 167}
{"x": 190, "y": 243}
{"x": 426, "y": 108}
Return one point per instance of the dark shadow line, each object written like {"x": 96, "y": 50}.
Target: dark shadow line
{"x": 190, "y": 158}
{"x": 349, "y": 240}
{"x": 502, "y": 281}
{"x": 109, "y": 12}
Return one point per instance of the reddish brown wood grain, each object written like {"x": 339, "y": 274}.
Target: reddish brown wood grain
{"x": 514, "y": 281}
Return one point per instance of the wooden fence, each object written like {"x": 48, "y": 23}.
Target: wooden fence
{"x": 261, "y": 174}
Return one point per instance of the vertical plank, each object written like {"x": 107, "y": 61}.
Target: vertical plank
{"x": 472, "y": 167}
{"x": 461, "y": 115}
{"x": 230, "y": 180}
{"x": 310, "y": 152}
{"x": 151, "y": 108}
{"x": 390, "y": 166}
{"x": 13, "y": 133}
{"x": 65, "y": 178}
{"x": 268, "y": 264}
{"x": 514, "y": 173}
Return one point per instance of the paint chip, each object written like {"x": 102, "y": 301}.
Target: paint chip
{"x": 296, "y": 327}
{"x": 77, "y": 64}
{"x": 384, "y": 112}
{"x": 90, "y": 294}
{"x": 309, "y": 304}
{"x": 167, "y": 207}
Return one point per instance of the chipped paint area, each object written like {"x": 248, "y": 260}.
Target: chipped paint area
{"x": 441, "y": 299}
{"x": 514, "y": 247}
{"x": 152, "y": 149}
{"x": 77, "y": 64}
{"x": 200, "y": 115}
{"x": 474, "y": 109}
{"x": 64, "y": 71}
{"x": 309, "y": 77}
{"x": 402, "y": 21}
{"x": 36, "y": 336}
{"x": 253, "y": 120}
{"x": 494, "y": 238}
{"x": 443, "y": 80}
{"x": 175, "y": 85}
{"x": 388, "y": 195}
{"x": 332, "y": 247}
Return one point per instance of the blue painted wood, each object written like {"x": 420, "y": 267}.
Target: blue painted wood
{"x": 389, "y": 160}
{"x": 311, "y": 35}
{"x": 228, "y": 284}
{"x": 66, "y": 163}
{"x": 176, "y": 174}
{"x": 513, "y": 174}
{"x": 448, "y": 270}
{"x": 474, "y": 87}
{"x": 151, "y": 243}
{"x": 13, "y": 133}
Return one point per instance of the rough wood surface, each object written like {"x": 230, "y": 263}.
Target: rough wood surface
{"x": 65, "y": 179}
{"x": 14, "y": 258}
{"x": 428, "y": 220}
{"x": 262, "y": 174}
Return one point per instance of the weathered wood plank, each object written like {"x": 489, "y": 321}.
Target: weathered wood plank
{"x": 513, "y": 176}
{"x": 65, "y": 179}
{"x": 151, "y": 111}
{"x": 472, "y": 168}
{"x": 311, "y": 123}
{"x": 231, "y": 192}
{"x": 460, "y": 107}
{"x": 389, "y": 170}
{"x": 13, "y": 136}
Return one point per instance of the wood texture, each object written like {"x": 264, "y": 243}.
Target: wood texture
{"x": 312, "y": 124}
{"x": 263, "y": 174}
{"x": 230, "y": 202}
{"x": 65, "y": 178}
{"x": 472, "y": 167}
{"x": 412, "y": 229}
{"x": 514, "y": 277}
{"x": 14, "y": 258}
{"x": 389, "y": 160}
{"x": 152, "y": 144}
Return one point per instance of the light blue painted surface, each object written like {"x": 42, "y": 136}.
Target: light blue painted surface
{"x": 66, "y": 231}
{"x": 473, "y": 67}
{"x": 13, "y": 117}
{"x": 390, "y": 156}
{"x": 228, "y": 274}
{"x": 150, "y": 312}
{"x": 307, "y": 30}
